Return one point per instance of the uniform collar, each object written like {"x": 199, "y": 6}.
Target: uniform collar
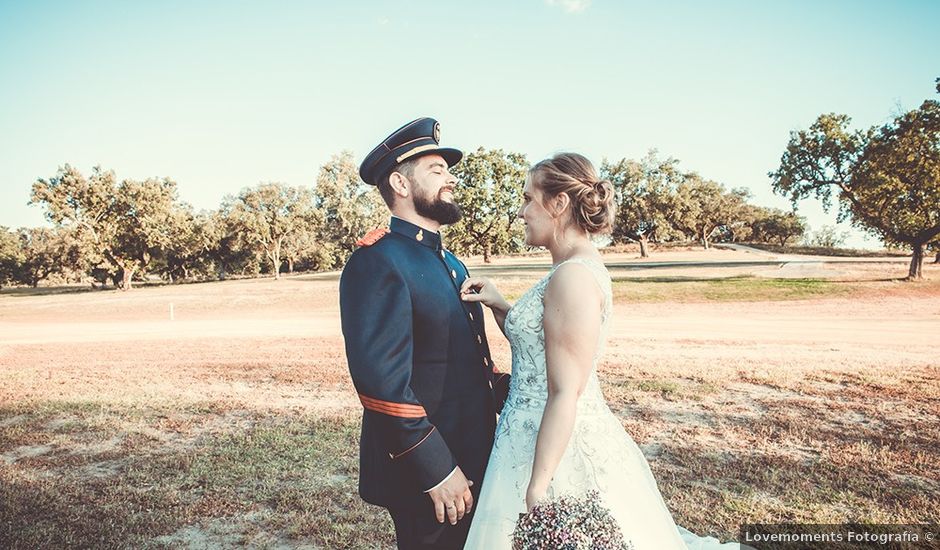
{"x": 422, "y": 236}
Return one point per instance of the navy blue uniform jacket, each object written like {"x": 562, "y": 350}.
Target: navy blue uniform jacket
{"x": 419, "y": 359}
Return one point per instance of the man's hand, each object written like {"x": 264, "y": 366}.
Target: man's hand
{"x": 452, "y": 497}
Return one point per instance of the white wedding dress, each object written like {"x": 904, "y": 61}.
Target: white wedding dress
{"x": 600, "y": 455}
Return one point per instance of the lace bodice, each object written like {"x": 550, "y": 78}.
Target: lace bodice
{"x": 529, "y": 384}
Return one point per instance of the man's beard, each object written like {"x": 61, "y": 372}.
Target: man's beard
{"x": 444, "y": 213}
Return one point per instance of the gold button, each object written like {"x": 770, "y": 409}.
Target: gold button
{"x": 471, "y": 315}
{"x": 442, "y": 253}
{"x": 453, "y": 273}
{"x": 479, "y": 339}
{"x": 486, "y": 362}
{"x": 420, "y": 235}
{"x": 491, "y": 385}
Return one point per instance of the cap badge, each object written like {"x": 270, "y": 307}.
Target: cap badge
{"x": 420, "y": 235}
{"x": 437, "y": 132}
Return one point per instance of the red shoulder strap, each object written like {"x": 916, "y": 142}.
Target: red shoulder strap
{"x": 372, "y": 237}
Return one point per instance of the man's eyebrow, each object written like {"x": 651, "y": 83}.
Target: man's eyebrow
{"x": 437, "y": 164}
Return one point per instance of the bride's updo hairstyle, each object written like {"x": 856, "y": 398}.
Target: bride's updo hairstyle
{"x": 591, "y": 198}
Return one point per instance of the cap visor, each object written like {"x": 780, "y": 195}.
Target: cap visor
{"x": 452, "y": 156}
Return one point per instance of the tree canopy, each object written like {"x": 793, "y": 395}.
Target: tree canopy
{"x": 11, "y": 256}
{"x": 350, "y": 209}
{"x": 489, "y": 192}
{"x": 777, "y": 226}
{"x": 659, "y": 202}
{"x": 268, "y": 215}
{"x": 886, "y": 179}
{"x": 645, "y": 195}
{"x": 125, "y": 222}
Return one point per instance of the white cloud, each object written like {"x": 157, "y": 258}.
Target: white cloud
{"x": 570, "y": 6}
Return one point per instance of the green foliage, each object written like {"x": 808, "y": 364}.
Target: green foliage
{"x": 43, "y": 252}
{"x": 489, "y": 192}
{"x": 142, "y": 219}
{"x": 899, "y": 177}
{"x": 267, "y": 216}
{"x": 700, "y": 207}
{"x": 772, "y": 225}
{"x": 232, "y": 252}
{"x": 350, "y": 207}
{"x": 887, "y": 179}
{"x": 645, "y": 197}
{"x": 658, "y": 202}
{"x": 11, "y": 256}
{"x": 72, "y": 199}
{"x": 192, "y": 239}
{"x": 124, "y": 224}
{"x": 827, "y": 236}
{"x": 737, "y": 216}
{"x": 309, "y": 250}
{"x": 818, "y": 160}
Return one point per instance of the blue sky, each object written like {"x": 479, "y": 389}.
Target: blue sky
{"x": 224, "y": 95}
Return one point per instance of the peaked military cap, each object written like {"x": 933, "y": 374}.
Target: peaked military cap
{"x": 418, "y": 137}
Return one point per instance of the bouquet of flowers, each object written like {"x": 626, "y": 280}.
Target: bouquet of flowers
{"x": 569, "y": 523}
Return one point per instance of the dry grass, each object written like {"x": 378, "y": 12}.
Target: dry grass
{"x": 119, "y": 478}
{"x": 236, "y": 425}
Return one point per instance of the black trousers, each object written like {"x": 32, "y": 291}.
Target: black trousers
{"x": 416, "y": 527}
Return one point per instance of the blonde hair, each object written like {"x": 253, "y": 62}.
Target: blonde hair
{"x": 591, "y": 198}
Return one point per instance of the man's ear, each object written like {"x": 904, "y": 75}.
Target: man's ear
{"x": 399, "y": 184}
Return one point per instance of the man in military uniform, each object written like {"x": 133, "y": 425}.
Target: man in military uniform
{"x": 417, "y": 353}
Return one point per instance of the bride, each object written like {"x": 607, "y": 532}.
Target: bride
{"x": 556, "y": 435}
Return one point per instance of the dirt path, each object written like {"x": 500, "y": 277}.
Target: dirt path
{"x": 875, "y": 322}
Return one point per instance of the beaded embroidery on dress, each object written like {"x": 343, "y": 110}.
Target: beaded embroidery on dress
{"x": 600, "y": 455}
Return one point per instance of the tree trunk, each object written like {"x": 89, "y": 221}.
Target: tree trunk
{"x": 486, "y": 253}
{"x": 276, "y": 261}
{"x": 126, "y": 280}
{"x": 290, "y": 265}
{"x": 644, "y": 246}
{"x": 937, "y": 260}
{"x": 916, "y": 272}
{"x": 705, "y": 239}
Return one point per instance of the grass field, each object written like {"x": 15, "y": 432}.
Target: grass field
{"x": 756, "y": 398}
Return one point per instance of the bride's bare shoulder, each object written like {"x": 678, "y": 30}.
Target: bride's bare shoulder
{"x": 573, "y": 284}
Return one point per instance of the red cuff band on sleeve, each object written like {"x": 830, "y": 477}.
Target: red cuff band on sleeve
{"x": 401, "y": 410}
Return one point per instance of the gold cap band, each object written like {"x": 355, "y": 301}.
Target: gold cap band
{"x": 415, "y": 151}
